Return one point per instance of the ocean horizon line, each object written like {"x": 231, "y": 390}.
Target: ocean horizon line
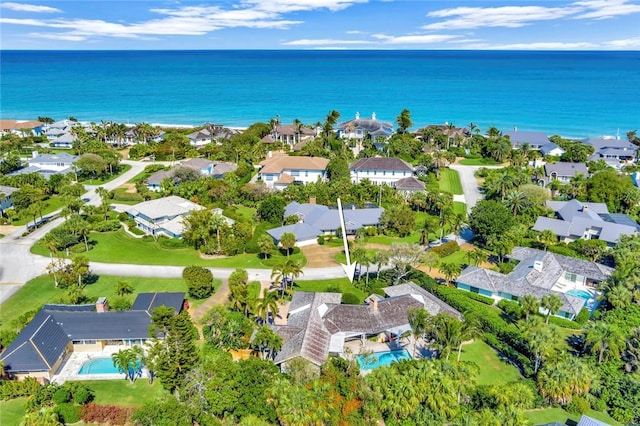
{"x": 330, "y": 49}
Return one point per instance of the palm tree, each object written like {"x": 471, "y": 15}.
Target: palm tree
{"x": 458, "y": 221}
{"x": 268, "y": 303}
{"x": 104, "y": 200}
{"x": 530, "y": 305}
{"x": 539, "y": 338}
{"x": 267, "y": 342}
{"x": 418, "y": 320}
{"x": 380, "y": 258}
{"x": 603, "y": 339}
{"x": 288, "y": 241}
{"x": 515, "y": 201}
{"x": 287, "y": 269}
{"x": 552, "y": 303}
{"x": 125, "y": 362}
{"x": 265, "y": 243}
{"x": 631, "y": 354}
{"x": 447, "y": 332}
{"x": 547, "y": 237}
{"x": 216, "y": 222}
{"x": 559, "y": 382}
{"x": 449, "y": 270}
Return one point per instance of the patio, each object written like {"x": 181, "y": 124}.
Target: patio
{"x": 70, "y": 369}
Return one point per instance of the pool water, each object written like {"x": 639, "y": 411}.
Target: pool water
{"x": 98, "y": 366}
{"x": 580, "y": 293}
{"x": 379, "y": 359}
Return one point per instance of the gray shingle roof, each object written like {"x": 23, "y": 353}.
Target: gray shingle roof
{"x": 588, "y": 421}
{"x": 381, "y": 163}
{"x": 158, "y": 177}
{"x": 431, "y": 303}
{"x": 519, "y": 137}
{"x": 53, "y": 158}
{"x": 566, "y": 169}
{"x": 410, "y": 184}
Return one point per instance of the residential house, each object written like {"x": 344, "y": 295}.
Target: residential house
{"x": 535, "y": 140}
{"x": 200, "y": 138}
{"x": 409, "y": 185}
{"x": 48, "y": 164}
{"x": 154, "y": 182}
{"x": 162, "y": 216}
{"x": 57, "y": 330}
{"x": 5, "y": 198}
{"x": 315, "y": 220}
{"x": 380, "y": 170}
{"x": 576, "y": 220}
{"x": 209, "y": 168}
{"x": 64, "y": 141}
{"x": 21, "y": 127}
{"x": 615, "y": 152}
{"x": 282, "y": 170}
{"x": 563, "y": 172}
{"x": 540, "y": 273}
{"x": 319, "y": 325}
{"x": 551, "y": 149}
{"x": 360, "y": 129}
{"x": 290, "y": 134}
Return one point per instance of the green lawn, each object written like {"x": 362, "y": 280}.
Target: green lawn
{"x": 123, "y": 168}
{"x": 52, "y": 204}
{"x": 12, "y": 411}
{"x": 450, "y": 181}
{"x": 478, "y": 162}
{"x": 341, "y": 285}
{"x": 549, "y": 415}
{"x": 493, "y": 370}
{"x": 118, "y": 246}
{"x": 125, "y": 393}
{"x": 41, "y": 290}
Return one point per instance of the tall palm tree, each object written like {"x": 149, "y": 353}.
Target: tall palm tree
{"x": 547, "y": 237}
{"x": 515, "y": 201}
{"x": 449, "y": 270}
{"x": 603, "y": 339}
{"x": 631, "y": 354}
{"x": 268, "y": 304}
{"x": 380, "y": 258}
{"x": 104, "y": 200}
{"x": 530, "y": 305}
{"x": 552, "y": 303}
{"x": 216, "y": 222}
{"x": 471, "y": 329}
{"x": 419, "y": 321}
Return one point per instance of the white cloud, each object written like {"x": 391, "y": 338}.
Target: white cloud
{"x": 546, "y": 46}
{"x": 604, "y": 9}
{"x": 284, "y": 6}
{"x": 22, "y": 7}
{"x": 414, "y": 39}
{"x": 627, "y": 43}
{"x": 323, "y": 42}
{"x": 504, "y": 16}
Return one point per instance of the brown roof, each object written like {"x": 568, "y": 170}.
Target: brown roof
{"x": 410, "y": 184}
{"x": 16, "y": 125}
{"x": 285, "y": 178}
{"x": 280, "y": 163}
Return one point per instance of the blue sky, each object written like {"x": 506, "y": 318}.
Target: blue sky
{"x": 321, "y": 24}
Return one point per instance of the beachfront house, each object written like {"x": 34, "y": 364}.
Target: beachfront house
{"x": 360, "y": 129}
{"x": 540, "y": 273}
{"x": 162, "y": 216}
{"x": 63, "y": 141}
{"x": 380, "y": 170}
{"x": 562, "y": 172}
{"x": 281, "y": 170}
{"x": 518, "y": 138}
{"x": 551, "y": 150}
{"x": 318, "y": 325}
{"x": 315, "y": 220}
{"x": 43, "y": 346}
{"x": 21, "y": 127}
{"x": 614, "y": 152}
{"x": 5, "y": 198}
{"x": 290, "y": 134}
{"x": 574, "y": 220}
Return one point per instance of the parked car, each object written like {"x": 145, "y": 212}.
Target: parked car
{"x": 435, "y": 243}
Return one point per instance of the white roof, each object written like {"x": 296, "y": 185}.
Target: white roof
{"x": 169, "y": 207}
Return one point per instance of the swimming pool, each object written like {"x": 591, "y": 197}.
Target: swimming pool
{"x": 379, "y": 359}
{"x": 98, "y": 366}
{"x": 583, "y": 294}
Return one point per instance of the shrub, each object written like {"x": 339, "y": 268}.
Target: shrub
{"x": 578, "y": 405}
{"x": 11, "y": 389}
{"x": 563, "y": 250}
{"x": 68, "y": 413}
{"x": 583, "y": 316}
{"x": 107, "y": 225}
{"x": 446, "y": 249}
{"x": 170, "y": 243}
{"x": 62, "y": 395}
{"x": 81, "y": 393}
{"x": 478, "y": 297}
{"x": 6, "y": 337}
{"x": 321, "y": 240}
{"x": 120, "y": 303}
{"x": 111, "y": 414}
{"x": 510, "y": 308}
{"x": 563, "y": 322}
{"x": 199, "y": 281}
{"x": 350, "y": 299}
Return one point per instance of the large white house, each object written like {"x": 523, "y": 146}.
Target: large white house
{"x": 163, "y": 216}
{"x": 362, "y": 128}
{"x": 282, "y": 170}
{"x": 380, "y": 170}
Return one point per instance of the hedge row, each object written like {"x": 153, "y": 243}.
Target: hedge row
{"x": 563, "y": 322}
{"x": 479, "y": 298}
{"x": 446, "y": 249}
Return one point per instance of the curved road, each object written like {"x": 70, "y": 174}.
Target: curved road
{"x": 18, "y": 265}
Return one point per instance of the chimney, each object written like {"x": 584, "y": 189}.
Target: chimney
{"x": 374, "y": 304}
{"x": 373, "y": 116}
{"x": 537, "y": 265}
{"x": 357, "y": 116}
{"x": 585, "y": 208}
{"x": 102, "y": 305}
{"x": 34, "y": 154}
{"x": 312, "y": 200}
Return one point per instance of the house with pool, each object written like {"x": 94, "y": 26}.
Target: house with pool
{"x": 45, "y": 344}
{"x": 319, "y": 325}
{"x": 540, "y": 273}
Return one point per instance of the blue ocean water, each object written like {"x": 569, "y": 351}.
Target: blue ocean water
{"x": 569, "y": 93}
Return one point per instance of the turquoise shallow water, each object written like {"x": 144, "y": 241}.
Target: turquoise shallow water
{"x": 98, "y": 366}
{"x": 570, "y": 93}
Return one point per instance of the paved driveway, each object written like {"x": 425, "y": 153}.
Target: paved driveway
{"x": 469, "y": 183}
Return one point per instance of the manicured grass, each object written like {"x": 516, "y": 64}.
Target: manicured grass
{"x": 123, "y": 168}
{"x": 41, "y": 290}
{"x": 125, "y": 393}
{"x": 458, "y": 258}
{"x": 549, "y": 415}
{"x": 52, "y": 204}
{"x": 118, "y": 247}
{"x": 341, "y": 285}
{"x": 12, "y": 411}
{"x": 460, "y": 208}
{"x": 493, "y": 370}
{"x": 478, "y": 162}
{"x": 450, "y": 181}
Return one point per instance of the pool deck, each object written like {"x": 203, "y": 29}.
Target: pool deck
{"x": 70, "y": 370}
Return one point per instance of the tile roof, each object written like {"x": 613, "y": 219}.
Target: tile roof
{"x": 280, "y": 163}
{"x": 381, "y": 163}
{"x": 410, "y": 184}
{"x": 17, "y": 125}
